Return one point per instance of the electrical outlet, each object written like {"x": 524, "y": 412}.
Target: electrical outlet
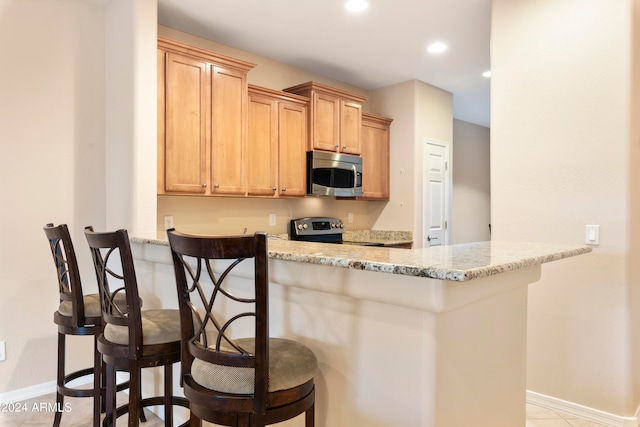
{"x": 168, "y": 222}
{"x": 3, "y": 351}
{"x": 272, "y": 219}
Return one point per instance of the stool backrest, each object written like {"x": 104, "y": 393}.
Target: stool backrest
{"x": 204, "y": 293}
{"x": 64, "y": 258}
{"x": 115, "y": 273}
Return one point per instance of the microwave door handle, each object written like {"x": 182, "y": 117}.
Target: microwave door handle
{"x": 355, "y": 179}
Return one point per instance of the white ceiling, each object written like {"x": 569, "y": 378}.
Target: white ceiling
{"x": 384, "y": 45}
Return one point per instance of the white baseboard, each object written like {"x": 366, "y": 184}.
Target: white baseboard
{"x": 39, "y": 390}
{"x": 28, "y": 392}
{"x": 50, "y": 387}
{"x": 584, "y": 412}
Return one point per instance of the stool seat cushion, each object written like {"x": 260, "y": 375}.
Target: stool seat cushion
{"x": 290, "y": 364}
{"x": 91, "y": 305}
{"x": 158, "y": 327}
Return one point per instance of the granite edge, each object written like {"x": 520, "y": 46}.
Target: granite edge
{"x": 439, "y": 273}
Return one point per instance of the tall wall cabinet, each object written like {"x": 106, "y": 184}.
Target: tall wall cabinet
{"x": 375, "y": 156}
{"x": 202, "y": 121}
{"x": 277, "y": 143}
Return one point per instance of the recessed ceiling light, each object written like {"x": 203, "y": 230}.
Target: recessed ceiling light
{"x": 356, "y": 5}
{"x": 437, "y": 47}
{"x": 487, "y": 74}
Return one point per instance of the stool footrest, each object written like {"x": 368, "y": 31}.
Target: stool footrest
{"x": 64, "y": 390}
{"x": 149, "y": 401}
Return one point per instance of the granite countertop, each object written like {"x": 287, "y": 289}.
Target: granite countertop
{"x": 382, "y": 237}
{"x": 456, "y": 262}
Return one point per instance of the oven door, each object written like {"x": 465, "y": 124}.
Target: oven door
{"x": 332, "y": 174}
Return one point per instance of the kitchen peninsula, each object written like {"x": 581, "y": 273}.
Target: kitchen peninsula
{"x": 432, "y": 337}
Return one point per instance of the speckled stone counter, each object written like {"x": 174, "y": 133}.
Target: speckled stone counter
{"x": 456, "y": 262}
{"x": 431, "y": 337}
{"x": 383, "y": 237}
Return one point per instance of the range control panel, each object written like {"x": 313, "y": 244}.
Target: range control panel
{"x": 316, "y": 226}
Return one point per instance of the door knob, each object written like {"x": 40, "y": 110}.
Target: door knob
{"x": 430, "y": 238}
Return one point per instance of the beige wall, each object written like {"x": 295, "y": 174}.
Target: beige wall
{"x": 78, "y": 123}
{"x": 634, "y": 209}
{"x": 52, "y": 127}
{"x": 398, "y": 101}
{"x": 268, "y": 73}
{"x": 560, "y": 145}
{"x": 420, "y": 111}
{"x": 471, "y": 198}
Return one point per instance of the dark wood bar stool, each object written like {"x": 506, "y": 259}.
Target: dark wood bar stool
{"x": 251, "y": 380}
{"x": 132, "y": 339}
{"x": 77, "y": 314}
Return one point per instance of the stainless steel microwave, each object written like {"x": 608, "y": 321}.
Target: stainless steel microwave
{"x": 334, "y": 174}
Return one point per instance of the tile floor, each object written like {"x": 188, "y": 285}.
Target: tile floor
{"x": 80, "y": 415}
{"x": 538, "y": 416}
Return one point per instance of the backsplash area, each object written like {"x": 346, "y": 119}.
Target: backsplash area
{"x": 228, "y": 215}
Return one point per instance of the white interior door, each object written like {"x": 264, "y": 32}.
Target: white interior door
{"x": 436, "y": 193}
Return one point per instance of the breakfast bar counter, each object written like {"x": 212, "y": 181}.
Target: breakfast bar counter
{"x": 432, "y": 337}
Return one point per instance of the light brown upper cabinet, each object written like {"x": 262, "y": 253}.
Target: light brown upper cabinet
{"x": 375, "y": 157}
{"x": 335, "y": 117}
{"x": 202, "y": 121}
{"x": 277, "y": 143}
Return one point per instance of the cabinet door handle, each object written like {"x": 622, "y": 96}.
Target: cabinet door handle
{"x": 204, "y": 185}
{"x": 274, "y": 188}
{"x": 344, "y": 146}
{"x": 284, "y": 188}
{"x": 216, "y": 186}
{"x": 337, "y": 146}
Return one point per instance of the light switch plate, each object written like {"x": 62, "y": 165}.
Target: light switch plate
{"x": 592, "y": 235}
{"x": 272, "y": 219}
{"x": 3, "y": 351}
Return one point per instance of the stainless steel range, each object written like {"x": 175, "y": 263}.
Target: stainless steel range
{"x": 317, "y": 229}
{"x": 322, "y": 230}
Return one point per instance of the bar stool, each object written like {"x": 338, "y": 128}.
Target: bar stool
{"x": 245, "y": 380}
{"x": 134, "y": 339}
{"x": 77, "y": 314}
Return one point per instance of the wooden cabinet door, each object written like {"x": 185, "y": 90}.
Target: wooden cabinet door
{"x": 350, "y": 125}
{"x": 325, "y": 122}
{"x": 375, "y": 157}
{"x": 292, "y": 132}
{"x": 228, "y": 134}
{"x": 262, "y": 153}
{"x": 185, "y": 111}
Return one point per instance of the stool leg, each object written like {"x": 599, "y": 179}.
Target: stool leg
{"x": 194, "y": 421}
{"x": 60, "y": 382}
{"x": 140, "y": 407}
{"x": 97, "y": 382}
{"x": 310, "y": 416}
{"x": 103, "y": 386}
{"x": 168, "y": 394}
{"x": 134, "y": 395}
{"x": 110, "y": 393}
